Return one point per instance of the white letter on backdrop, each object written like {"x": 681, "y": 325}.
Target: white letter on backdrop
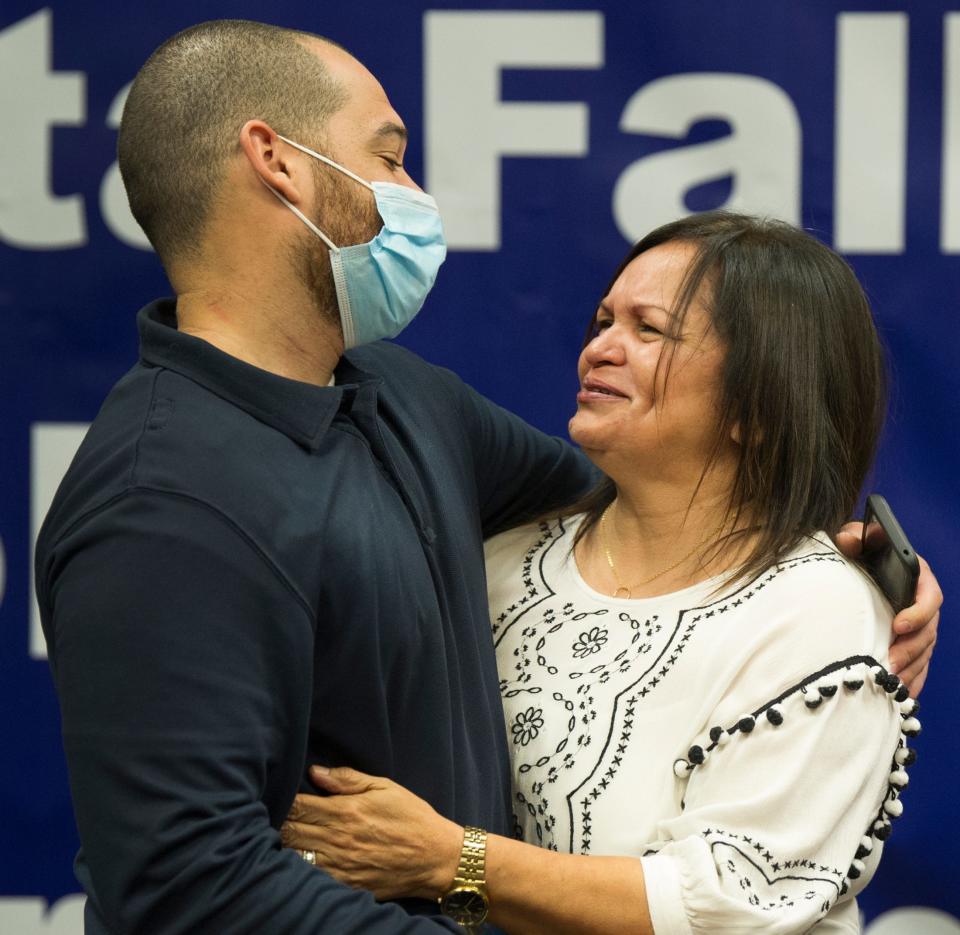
{"x": 113, "y": 196}
{"x": 468, "y": 126}
{"x": 52, "y": 447}
{"x": 950, "y": 186}
{"x": 32, "y": 99}
{"x": 871, "y": 133}
{"x": 31, "y": 915}
{"x": 917, "y": 920}
{"x": 762, "y": 153}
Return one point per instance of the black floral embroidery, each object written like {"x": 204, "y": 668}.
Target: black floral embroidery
{"x": 526, "y": 725}
{"x": 643, "y": 653}
{"x": 589, "y": 642}
{"x": 772, "y": 883}
{"x": 561, "y": 731}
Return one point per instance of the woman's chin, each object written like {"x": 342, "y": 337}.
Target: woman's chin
{"x": 592, "y": 440}
{"x": 589, "y": 430}
{"x": 614, "y": 449}
{"x": 579, "y": 434}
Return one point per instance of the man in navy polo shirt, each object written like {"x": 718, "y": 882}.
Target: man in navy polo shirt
{"x": 268, "y": 551}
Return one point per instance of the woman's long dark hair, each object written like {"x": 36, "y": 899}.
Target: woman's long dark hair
{"x": 803, "y": 381}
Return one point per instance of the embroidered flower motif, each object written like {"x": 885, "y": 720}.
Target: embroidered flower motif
{"x": 526, "y": 725}
{"x": 589, "y": 643}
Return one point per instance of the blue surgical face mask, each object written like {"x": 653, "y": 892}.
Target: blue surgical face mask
{"x": 382, "y": 284}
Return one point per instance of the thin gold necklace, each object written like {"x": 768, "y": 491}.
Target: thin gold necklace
{"x": 622, "y": 590}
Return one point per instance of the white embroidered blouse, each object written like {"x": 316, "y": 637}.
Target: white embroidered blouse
{"x": 749, "y": 748}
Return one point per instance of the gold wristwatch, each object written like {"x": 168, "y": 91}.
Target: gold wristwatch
{"x": 466, "y": 901}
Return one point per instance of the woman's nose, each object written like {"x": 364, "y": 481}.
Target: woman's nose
{"x": 605, "y": 348}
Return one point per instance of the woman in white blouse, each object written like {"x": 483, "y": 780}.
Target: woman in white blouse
{"x": 704, "y": 733}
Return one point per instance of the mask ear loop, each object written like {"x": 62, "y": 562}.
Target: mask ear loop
{"x": 327, "y": 160}
{"x": 336, "y": 263}
{"x": 336, "y": 268}
{"x": 302, "y": 216}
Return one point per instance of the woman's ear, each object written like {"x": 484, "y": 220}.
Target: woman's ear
{"x": 736, "y": 435}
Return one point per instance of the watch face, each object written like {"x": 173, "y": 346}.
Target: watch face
{"x": 466, "y": 905}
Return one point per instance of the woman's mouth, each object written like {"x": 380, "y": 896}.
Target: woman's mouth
{"x": 593, "y": 390}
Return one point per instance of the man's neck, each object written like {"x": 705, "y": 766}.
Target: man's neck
{"x": 292, "y": 341}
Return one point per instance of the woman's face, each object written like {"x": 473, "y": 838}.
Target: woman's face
{"x": 624, "y": 411}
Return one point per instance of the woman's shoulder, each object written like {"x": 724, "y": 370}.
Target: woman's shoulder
{"x": 811, "y": 607}
{"x": 816, "y": 574}
{"x": 812, "y": 620}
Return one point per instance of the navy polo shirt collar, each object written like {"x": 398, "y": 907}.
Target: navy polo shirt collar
{"x": 301, "y": 411}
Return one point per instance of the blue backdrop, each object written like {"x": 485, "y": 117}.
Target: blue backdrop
{"x": 551, "y": 136}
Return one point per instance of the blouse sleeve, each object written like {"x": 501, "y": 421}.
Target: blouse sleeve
{"x": 785, "y": 807}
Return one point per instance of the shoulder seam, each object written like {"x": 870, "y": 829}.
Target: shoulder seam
{"x": 143, "y": 428}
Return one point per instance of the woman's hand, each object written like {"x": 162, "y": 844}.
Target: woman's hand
{"x": 371, "y": 833}
{"x": 915, "y": 626}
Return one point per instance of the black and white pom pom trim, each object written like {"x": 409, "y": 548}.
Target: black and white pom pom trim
{"x": 816, "y": 690}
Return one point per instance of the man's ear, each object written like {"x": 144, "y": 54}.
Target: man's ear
{"x": 273, "y": 160}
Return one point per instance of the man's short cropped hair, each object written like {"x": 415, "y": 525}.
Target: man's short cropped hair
{"x": 182, "y": 119}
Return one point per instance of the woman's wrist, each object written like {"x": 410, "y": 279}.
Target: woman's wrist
{"x": 443, "y": 868}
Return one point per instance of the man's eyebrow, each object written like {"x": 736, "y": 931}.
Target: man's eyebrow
{"x": 391, "y": 129}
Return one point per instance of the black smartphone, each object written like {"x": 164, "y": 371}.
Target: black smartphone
{"x": 888, "y": 555}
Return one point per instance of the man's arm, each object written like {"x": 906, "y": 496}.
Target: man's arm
{"x": 521, "y": 472}
{"x": 914, "y": 627}
{"x": 184, "y": 664}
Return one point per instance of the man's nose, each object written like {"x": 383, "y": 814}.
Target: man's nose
{"x": 409, "y": 182}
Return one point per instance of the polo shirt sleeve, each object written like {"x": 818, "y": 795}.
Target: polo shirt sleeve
{"x": 184, "y": 660}
{"x": 521, "y": 472}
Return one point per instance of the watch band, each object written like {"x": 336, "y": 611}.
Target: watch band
{"x": 473, "y": 856}
{"x": 466, "y": 900}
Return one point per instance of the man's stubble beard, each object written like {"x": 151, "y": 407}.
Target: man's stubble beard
{"x": 347, "y": 213}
